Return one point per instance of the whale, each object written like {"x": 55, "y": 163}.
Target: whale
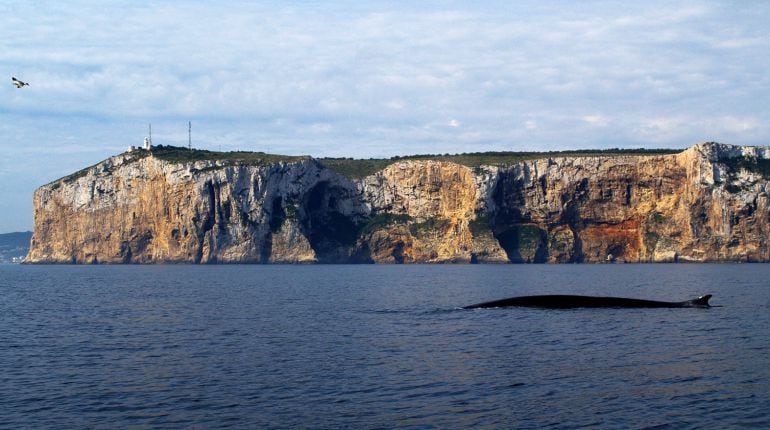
{"x": 560, "y": 301}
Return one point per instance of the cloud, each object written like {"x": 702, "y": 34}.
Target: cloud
{"x": 206, "y": 61}
{"x": 596, "y": 120}
{"x": 717, "y": 128}
{"x": 357, "y": 79}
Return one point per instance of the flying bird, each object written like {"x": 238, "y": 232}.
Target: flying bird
{"x": 18, "y": 83}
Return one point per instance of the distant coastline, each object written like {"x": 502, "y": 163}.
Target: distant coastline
{"x": 14, "y": 247}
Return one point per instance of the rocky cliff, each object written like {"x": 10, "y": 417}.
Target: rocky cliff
{"x": 707, "y": 203}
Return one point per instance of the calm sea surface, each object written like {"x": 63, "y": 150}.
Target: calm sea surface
{"x": 364, "y": 347}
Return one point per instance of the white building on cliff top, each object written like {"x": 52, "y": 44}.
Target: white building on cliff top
{"x": 147, "y": 143}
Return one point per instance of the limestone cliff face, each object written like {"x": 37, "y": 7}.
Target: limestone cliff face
{"x": 128, "y": 210}
{"x": 437, "y": 205}
{"x": 708, "y": 203}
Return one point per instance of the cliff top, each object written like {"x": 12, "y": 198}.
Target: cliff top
{"x": 177, "y": 154}
{"x": 472, "y": 159}
{"x": 361, "y": 168}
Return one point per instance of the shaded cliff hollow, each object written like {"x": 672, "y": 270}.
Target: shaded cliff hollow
{"x": 708, "y": 203}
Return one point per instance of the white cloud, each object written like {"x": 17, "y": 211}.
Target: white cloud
{"x": 712, "y": 128}
{"x": 661, "y": 129}
{"x": 321, "y": 128}
{"x": 360, "y": 79}
{"x": 741, "y": 43}
{"x": 596, "y": 120}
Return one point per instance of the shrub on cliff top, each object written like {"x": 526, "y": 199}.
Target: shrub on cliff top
{"x": 178, "y": 155}
{"x": 356, "y": 169}
{"x": 749, "y": 164}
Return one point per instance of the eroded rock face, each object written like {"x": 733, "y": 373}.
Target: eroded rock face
{"x": 441, "y": 209}
{"x": 708, "y": 203}
{"x": 142, "y": 211}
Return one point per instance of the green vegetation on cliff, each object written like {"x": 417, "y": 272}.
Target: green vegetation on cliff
{"x": 177, "y": 154}
{"x": 750, "y": 164}
{"x": 431, "y": 226}
{"x": 72, "y": 177}
{"x": 355, "y": 169}
{"x": 360, "y": 168}
{"x": 382, "y": 220}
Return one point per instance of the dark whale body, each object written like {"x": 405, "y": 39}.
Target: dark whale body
{"x": 569, "y": 302}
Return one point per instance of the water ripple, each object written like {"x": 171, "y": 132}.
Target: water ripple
{"x": 172, "y": 347}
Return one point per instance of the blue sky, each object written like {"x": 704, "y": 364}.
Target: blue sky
{"x": 371, "y": 79}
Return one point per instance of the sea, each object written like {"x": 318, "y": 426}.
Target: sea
{"x": 380, "y": 347}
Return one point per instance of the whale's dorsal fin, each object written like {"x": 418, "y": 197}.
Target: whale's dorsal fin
{"x": 701, "y": 301}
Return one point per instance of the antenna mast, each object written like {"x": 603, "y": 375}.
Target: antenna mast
{"x": 189, "y": 135}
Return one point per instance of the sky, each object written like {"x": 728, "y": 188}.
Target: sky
{"x": 371, "y": 79}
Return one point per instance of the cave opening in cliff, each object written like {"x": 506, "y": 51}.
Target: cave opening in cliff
{"x": 330, "y": 232}
{"x": 524, "y": 244}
